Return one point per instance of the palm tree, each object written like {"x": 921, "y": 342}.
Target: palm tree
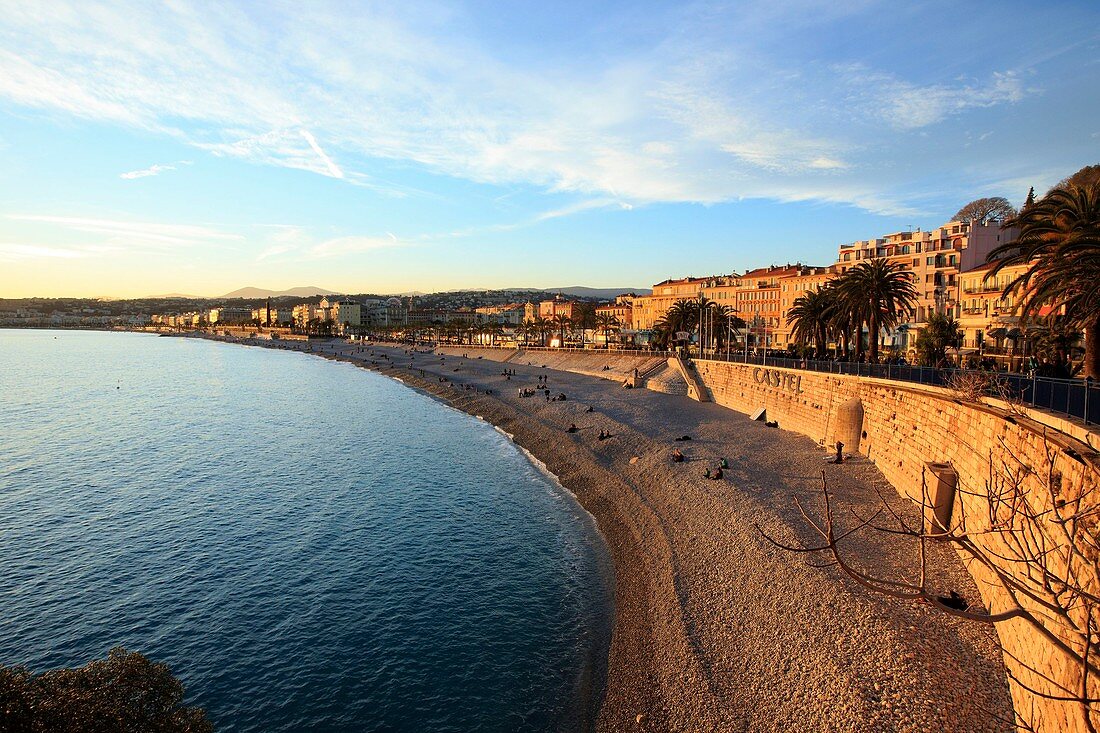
{"x": 878, "y": 292}
{"x": 493, "y": 331}
{"x": 525, "y": 330}
{"x": 607, "y": 324}
{"x": 1059, "y": 241}
{"x": 561, "y": 323}
{"x": 584, "y": 316}
{"x": 542, "y": 327}
{"x": 684, "y": 314}
{"x": 940, "y": 333}
{"x": 681, "y": 316}
{"x": 811, "y": 315}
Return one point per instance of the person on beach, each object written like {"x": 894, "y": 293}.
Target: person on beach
{"x": 677, "y": 456}
{"x": 717, "y": 474}
{"x": 572, "y": 428}
{"x": 706, "y": 473}
{"x": 723, "y": 463}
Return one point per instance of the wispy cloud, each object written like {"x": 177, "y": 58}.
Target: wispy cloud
{"x": 333, "y": 169}
{"x": 355, "y": 244}
{"x": 153, "y": 170}
{"x": 12, "y": 252}
{"x": 132, "y": 232}
{"x": 909, "y": 106}
{"x": 692, "y": 116}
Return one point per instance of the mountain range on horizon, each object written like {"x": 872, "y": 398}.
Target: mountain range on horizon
{"x": 306, "y": 291}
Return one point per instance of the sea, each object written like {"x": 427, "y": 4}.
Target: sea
{"x": 308, "y": 545}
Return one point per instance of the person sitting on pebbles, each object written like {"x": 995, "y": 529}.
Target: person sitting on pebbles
{"x": 677, "y": 456}
{"x": 572, "y": 428}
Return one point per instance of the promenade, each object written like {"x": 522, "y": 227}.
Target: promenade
{"x": 716, "y": 629}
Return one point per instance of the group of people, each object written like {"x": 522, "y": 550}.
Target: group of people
{"x": 717, "y": 473}
{"x": 604, "y": 434}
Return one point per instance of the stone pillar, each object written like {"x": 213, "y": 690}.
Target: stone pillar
{"x": 848, "y": 427}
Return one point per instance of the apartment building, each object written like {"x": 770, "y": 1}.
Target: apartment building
{"x": 229, "y": 315}
{"x": 989, "y": 321}
{"x": 621, "y": 309}
{"x": 791, "y": 289}
{"x": 934, "y": 260}
{"x": 558, "y": 306}
{"x": 647, "y": 309}
{"x": 304, "y": 313}
{"x": 341, "y": 311}
{"x": 510, "y": 314}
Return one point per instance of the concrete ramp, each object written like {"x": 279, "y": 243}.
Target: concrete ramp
{"x": 666, "y": 380}
{"x": 696, "y": 389}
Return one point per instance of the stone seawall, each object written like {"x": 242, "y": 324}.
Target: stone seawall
{"x": 906, "y": 427}
{"x": 613, "y": 365}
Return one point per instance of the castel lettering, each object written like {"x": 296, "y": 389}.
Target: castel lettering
{"x": 772, "y": 378}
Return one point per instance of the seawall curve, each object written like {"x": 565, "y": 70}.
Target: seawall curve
{"x": 905, "y": 427}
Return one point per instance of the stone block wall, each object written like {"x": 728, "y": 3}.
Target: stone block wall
{"x": 904, "y": 428}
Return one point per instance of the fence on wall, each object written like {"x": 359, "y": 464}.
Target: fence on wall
{"x": 1078, "y": 398}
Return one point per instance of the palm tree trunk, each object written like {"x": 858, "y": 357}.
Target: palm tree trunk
{"x": 872, "y": 336}
{"x": 1092, "y": 349}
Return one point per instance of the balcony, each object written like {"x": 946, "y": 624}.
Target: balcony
{"x": 983, "y": 289}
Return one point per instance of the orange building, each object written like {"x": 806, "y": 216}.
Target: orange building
{"x": 934, "y": 260}
{"x": 621, "y": 309}
{"x": 755, "y": 296}
{"x": 648, "y": 309}
{"x": 558, "y": 306}
{"x": 791, "y": 289}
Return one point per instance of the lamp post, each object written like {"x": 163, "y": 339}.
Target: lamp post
{"x": 765, "y": 328}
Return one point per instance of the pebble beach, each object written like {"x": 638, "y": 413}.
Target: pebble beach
{"x": 716, "y": 628}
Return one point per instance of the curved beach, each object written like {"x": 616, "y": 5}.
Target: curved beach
{"x": 715, "y": 628}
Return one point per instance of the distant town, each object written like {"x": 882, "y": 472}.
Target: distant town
{"x": 947, "y": 266}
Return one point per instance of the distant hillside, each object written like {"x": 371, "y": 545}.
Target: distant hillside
{"x": 583, "y": 292}
{"x": 302, "y": 292}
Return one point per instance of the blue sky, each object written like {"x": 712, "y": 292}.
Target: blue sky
{"x": 199, "y": 147}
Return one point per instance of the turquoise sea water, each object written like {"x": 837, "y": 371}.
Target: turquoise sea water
{"x": 308, "y": 545}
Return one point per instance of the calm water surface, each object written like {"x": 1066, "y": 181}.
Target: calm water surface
{"x": 310, "y": 546}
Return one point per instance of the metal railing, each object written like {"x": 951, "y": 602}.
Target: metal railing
{"x": 1077, "y": 398}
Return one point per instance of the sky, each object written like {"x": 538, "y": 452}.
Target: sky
{"x": 199, "y": 147}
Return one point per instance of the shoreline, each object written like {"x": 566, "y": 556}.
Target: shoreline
{"x": 713, "y": 630}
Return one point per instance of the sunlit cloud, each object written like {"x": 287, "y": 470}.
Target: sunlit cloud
{"x": 133, "y": 233}
{"x": 11, "y": 252}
